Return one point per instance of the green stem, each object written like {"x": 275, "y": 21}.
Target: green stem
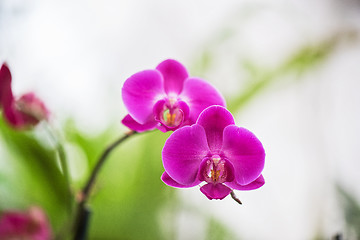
{"x": 83, "y": 213}
{"x": 86, "y": 190}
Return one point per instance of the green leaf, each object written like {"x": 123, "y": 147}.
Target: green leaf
{"x": 32, "y": 175}
{"x": 351, "y": 210}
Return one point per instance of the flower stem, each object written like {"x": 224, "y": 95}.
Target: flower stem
{"x": 235, "y": 197}
{"x": 83, "y": 213}
{"x": 86, "y": 190}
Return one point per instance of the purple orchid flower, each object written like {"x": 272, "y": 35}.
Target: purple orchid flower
{"x": 30, "y": 224}
{"x": 166, "y": 98}
{"x": 214, "y": 151}
{"x": 20, "y": 113}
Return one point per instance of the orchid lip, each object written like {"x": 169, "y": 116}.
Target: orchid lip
{"x": 171, "y": 117}
{"x": 171, "y": 112}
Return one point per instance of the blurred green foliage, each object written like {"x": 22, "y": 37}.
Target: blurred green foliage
{"x": 300, "y": 62}
{"x": 218, "y": 231}
{"x": 31, "y": 176}
{"x": 351, "y": 211}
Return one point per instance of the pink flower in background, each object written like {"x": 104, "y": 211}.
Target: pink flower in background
{"x": 30, "y": 225}
{"x": 26, "y": 111}
{"x": 166, "y": 98}
{"x": 216, "y": 152}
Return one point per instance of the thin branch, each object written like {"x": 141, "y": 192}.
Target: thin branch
{"x": 86, "y": 190}
{"x": 83, "y": 213}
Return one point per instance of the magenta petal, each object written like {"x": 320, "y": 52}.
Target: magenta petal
{"x": 214, "y": 119}
{"x": 257, "y": 183}
{"x": 12, "y": 116}
{"x": 162, "y": 128}
{"x": 158, "y": 109}
{"x": 140, "y": 92}
{"x": 32, "y": 224}
{"x": 245, "y": 152}
{"x": 172, "y": 183}
{"x": 5, "y": 85}
{"x": 183, "y": 152}
{"x": 215, "y": 191}
{"x": 33, "y": 109}
{"x": 6, "y": 97}
{"x": 185, "y": 109}
{"x": 200, "y": 94}
{"x": 129, "y": 122}
{"x": 174, "y": 74}
{"x": 26, "y": 111}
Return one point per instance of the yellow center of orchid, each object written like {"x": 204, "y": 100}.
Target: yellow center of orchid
{"x": 169, "y": 118}
{"x": 215, "y": 175}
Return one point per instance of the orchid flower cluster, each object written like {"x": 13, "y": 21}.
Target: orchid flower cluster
{"x": 206, "y": 145}
{"x": 206, "y": 148}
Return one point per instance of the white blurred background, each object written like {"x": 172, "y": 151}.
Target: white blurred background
{"x": 76, "y": 54}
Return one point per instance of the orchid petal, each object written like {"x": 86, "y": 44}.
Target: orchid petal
{"x": 185, "y": 109}
{"x": 200, "y": 94}
{"x": 31, "y": 106}
{"x": 5, "y": 86}
{"x": 257, "y": 183}
{"x": 174, "y": 74}
{"x": 7, "y": 101}
{"x": 215, "y": 191}
{"x": 242, "y": 148}
{"x": 158, "y": 109}
{"x": 12, "y": 116}
{"x": 183, "y": 152}
{"x": 32, "y": 224}
{"x": 140, "y": 92}
{"x": 162, "y": 128}
{"x": 214, "y": 119}
{"x": 171, "y": 182}
{"x": 129, "y": 122}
